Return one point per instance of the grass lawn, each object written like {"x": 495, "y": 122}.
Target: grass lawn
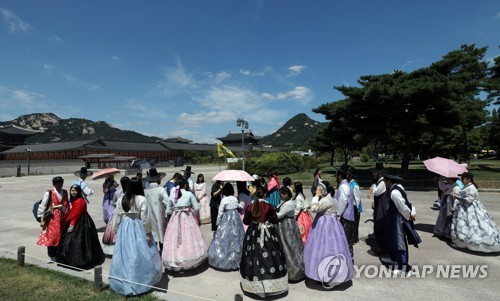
{"x": 34, "y": 283}
{"x": 486, "y": 174}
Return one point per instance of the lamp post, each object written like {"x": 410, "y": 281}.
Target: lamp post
{"x": 28, "y": 153}
{"x": 244, "y": 125}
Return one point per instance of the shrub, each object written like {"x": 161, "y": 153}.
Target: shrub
{"x": 281, "y": 163}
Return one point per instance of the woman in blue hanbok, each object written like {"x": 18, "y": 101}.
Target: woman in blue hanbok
{"x": 136, "y": 262}
{"x": 472, "y": 227}
{"x": 225, "y": 249}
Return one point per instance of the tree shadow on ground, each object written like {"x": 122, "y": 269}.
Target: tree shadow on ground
{"x": 317, "y": 285}
{"x": 425, "y": 228}
{"x": 475, "y": 253}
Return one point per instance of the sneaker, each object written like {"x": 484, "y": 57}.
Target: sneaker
{"x": 436, "y": 207}
{"x": 387, "y": 260}
{"x": 399, "y": 273}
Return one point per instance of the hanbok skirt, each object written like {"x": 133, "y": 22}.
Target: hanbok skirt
{"x": 326, "y": 246}
{"x": 184, "y": 246}
{"x": 81, "y": 248}
{"x": 443, "y": 222}
{"x": 293, "y": 248}
{"x": 273, "y": 198}
{"x": 473, "y": 228}
{"x": 204, "y": 212}
{"x": 136, "y": 263}
{"x": 225, "y": 249}
{"x": 107, "y": 205}
{"x": 263, "y": 266}
{"x": 304, "y": 221}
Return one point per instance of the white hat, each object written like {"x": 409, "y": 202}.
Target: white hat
{"x": 255, "y": 176}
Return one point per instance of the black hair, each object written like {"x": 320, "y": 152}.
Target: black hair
{"x": 286, "y": 191}
{"x": 241, "y": 186}
{"x": 79, "y": 193}
{"x": 198, "y": 178}
{"x": 134, "y": 188}
{"x": 260, "y": 193}
{"x": 124, "y": 182}
{"x": 297, "y": 186}
{"x": 329, "y": 188}
{"x": 227, "y": 189}
{"x": 287, "y": 182}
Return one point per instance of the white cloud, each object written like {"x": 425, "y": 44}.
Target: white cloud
{"x": 15, "y": 98}
{"x": 255, "y": 73}
{"x": 230, "y": 98}
{"x": 175, "y": 80}
{"x": 48, "y": 67}
{"x": 116, "y": 59}
{"x": 80, "y": 83}
{"x": 58, "y": 39}
{"x": 300, "y": 93}
{"x": 212, "y": 117}
{"x": 296, "y": 70}
{"x": 136, "y": 108}
{"x": 16, "y": 24}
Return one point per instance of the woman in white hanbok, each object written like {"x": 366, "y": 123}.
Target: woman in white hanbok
{"x": 472, "y": 227}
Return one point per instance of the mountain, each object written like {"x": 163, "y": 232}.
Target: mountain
{"x": 295, "y": 132}
{"x": 55, "y": 129}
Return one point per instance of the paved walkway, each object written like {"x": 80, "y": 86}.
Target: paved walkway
{"x": 18, "y": 228}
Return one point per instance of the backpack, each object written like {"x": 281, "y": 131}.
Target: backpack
{"x": 37, "y": 204}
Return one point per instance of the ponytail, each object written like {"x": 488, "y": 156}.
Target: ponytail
{"x": 260, "y": 193}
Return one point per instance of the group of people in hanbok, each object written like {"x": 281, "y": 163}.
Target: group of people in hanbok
{"x": 265, "y": 230}
{"x": 463, "y": 219}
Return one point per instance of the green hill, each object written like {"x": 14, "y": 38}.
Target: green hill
{"x": 295, "y": 132}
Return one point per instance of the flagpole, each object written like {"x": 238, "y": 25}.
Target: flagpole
{"x": 218, "y": 162}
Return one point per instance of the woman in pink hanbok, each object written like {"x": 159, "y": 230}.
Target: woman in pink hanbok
{"x": 184, "y": 246}
{"x": 302, "y": 212}
{"x": 200, "y": 189}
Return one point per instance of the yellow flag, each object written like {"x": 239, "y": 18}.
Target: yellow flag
{"x": 224, "y": 151}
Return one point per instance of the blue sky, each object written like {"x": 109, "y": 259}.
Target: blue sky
{"x": 191, "y": 68}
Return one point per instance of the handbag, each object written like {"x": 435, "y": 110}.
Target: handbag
{"x": 108, "y": 237}
{"x": 46, "y": 215}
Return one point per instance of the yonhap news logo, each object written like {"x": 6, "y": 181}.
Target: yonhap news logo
{"x": 442, "y": 271}
{"x": 332, "y": 271}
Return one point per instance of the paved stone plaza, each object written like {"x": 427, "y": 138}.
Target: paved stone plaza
{"x": 19, "y": 228}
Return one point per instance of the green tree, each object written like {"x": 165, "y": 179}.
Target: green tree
{"x": 492, "y": 86}
{"x": 339, "y": 134}
{"x": 467, "y": 73}
{"x": 494, "y": 134}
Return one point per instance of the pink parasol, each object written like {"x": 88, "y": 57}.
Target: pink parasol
{"x": 233, "y": 175}
{"x": 445, "y": 167}
{"x": 104, "y": 172}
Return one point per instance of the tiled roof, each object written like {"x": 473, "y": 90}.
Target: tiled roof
{"x": 15, "y": 130}
{"x": 188, "y": 146}
{"x": 49, "y": 147}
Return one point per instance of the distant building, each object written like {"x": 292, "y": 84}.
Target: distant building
{"x": 12, "y": 136}
{"x": 235, "y": 139}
